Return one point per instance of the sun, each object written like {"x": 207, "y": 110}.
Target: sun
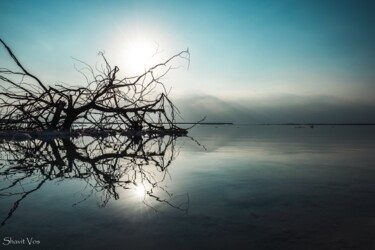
{"x": 138, "y": 54}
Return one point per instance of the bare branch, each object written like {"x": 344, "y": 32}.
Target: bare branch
{"x": 137, "y": 103}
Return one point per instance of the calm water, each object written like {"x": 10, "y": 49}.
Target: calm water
{"x": 246, "y": 187}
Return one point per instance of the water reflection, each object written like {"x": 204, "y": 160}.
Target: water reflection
{"x": 106, "y": 164}
{"x": 263, "y": 187}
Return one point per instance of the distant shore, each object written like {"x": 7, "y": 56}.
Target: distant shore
{"x": 320, "y": 124}
{"x": 281, "y": 124}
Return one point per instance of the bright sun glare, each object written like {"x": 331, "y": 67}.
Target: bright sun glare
{"x": 138, "y": 54}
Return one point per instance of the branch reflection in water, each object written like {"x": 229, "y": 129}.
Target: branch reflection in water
{"x": 108, "y": 164}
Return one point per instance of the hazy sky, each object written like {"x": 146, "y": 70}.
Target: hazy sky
{"x": 269, "y": 52}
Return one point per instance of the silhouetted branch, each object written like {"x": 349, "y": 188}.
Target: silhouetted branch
{"x": 104, "y": 102}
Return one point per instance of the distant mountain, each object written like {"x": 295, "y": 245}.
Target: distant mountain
{"x": 275, "y": 109}
{"x": 194, "y": 108}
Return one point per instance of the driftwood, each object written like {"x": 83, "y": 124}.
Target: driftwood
{"x": 105, "y": 102}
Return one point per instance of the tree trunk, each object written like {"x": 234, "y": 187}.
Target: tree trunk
{"x": 71, "y": 116}
{"x": 56, "y": 116}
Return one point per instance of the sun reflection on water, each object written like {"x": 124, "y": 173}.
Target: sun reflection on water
{"x": 140, "y": 191}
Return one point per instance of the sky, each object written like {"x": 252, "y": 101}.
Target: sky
{"x": 251, "y": 61}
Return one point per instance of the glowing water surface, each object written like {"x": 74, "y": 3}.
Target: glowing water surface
{"x": 250, "y": 187}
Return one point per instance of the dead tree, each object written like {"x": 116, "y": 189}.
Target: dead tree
{"x": 104, "y": 102}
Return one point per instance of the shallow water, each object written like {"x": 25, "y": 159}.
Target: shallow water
{"x": 250, "y": 187}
